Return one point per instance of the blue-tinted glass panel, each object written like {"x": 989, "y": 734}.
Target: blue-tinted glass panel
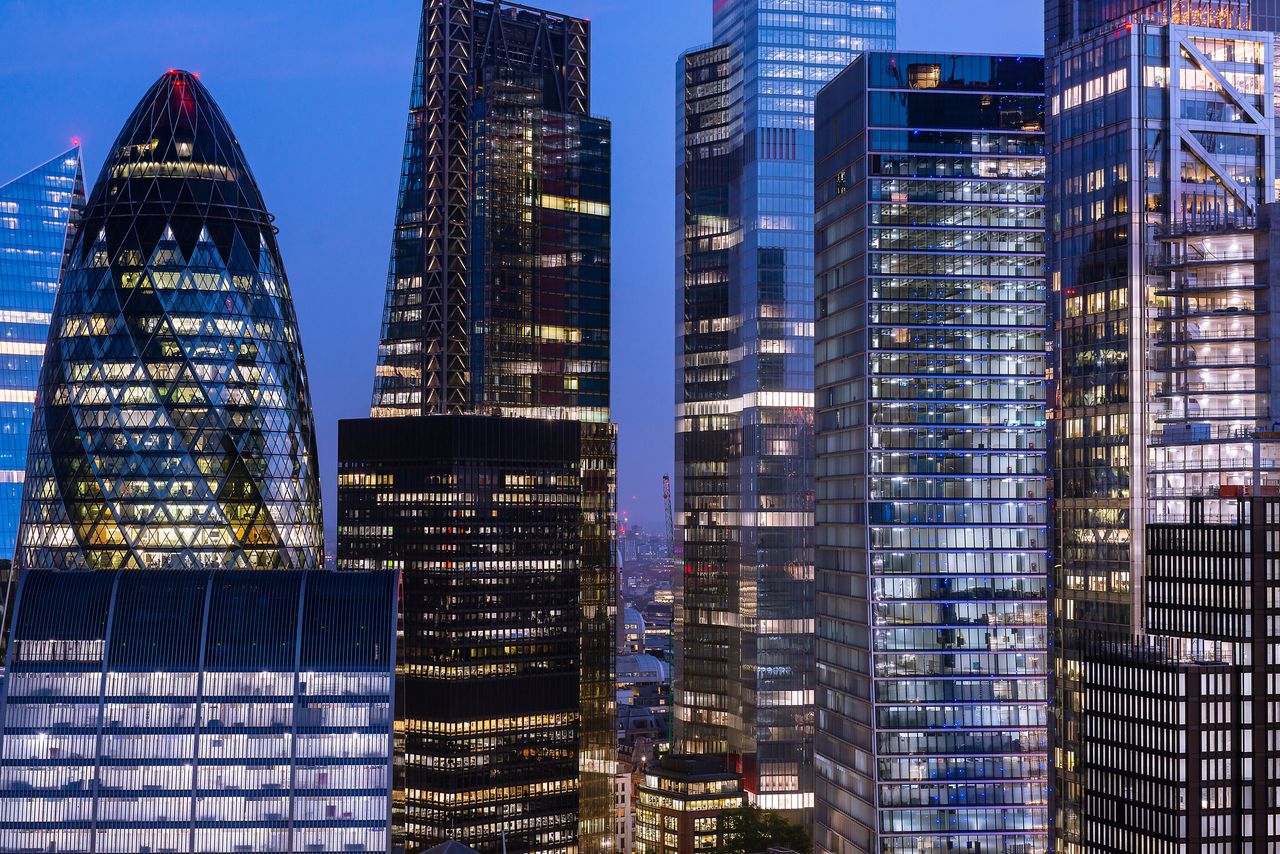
{"x": 36, "y": 212}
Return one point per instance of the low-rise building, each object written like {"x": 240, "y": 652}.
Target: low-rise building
{"x": 680, "y": 801}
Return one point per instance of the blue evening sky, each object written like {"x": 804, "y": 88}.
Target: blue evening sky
{"x": 317, "y": 92}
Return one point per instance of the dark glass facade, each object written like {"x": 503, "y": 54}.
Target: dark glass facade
{"x": 498, "y": 528}
{"x": 173, "y": 425}
{"x": 744, "y": 381}
{"x": 198, "y": 711}
{"x": 497, "y": 304}
{"x": 931, "y": 559}
{"x": 37, "y": 213}
{"x": 498, "y": 292}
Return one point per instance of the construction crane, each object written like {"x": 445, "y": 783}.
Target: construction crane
{"x": 671, "y": 526}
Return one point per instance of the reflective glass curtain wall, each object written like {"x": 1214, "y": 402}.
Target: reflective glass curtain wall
{"x": 744, "y": 384}
{"x": 1162, "y": 157}
{"x": 931, "y": 442}
{"x": 173, "y": 426}
{"x": 37, "y": 212}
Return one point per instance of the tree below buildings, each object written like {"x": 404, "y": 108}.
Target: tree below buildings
{"x": 749, "y": 829}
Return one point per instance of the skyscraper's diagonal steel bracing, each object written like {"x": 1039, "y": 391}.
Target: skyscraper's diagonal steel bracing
{"x": 497, "y": 312}
{"x": 498, "y": 291}
{"x": 1162, "y": 248}
{"x": 173, "y": 425}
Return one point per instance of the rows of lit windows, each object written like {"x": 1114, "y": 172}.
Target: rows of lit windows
{"x": 37, "y": 208}
{"x": 253, "y": 763}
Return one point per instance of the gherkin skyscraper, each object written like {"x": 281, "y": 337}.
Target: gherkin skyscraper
{"x": 173, "y": 424}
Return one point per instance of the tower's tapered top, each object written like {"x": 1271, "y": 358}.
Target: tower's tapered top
{"x": 173, "y": 424}
{"x": 177, "y": 133}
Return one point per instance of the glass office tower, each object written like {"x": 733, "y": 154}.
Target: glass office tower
{"x": 1162, "y": 133}
{"x": 931, "y": 442}
{"x": 498, "y": 290}
{"x": 37, "y": 215}
{"x": 182, "y": 706}
{"x": 744, "y": 380}
{"x": 173, "y": 425}
{"x": 200, "y": 711}
{"x": 497, "y": 304}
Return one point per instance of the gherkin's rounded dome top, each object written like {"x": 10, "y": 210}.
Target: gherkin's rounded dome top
{"x": 173, "y": 424}
{"x": 178, "y": 122}
{"x": 177, "y": 154}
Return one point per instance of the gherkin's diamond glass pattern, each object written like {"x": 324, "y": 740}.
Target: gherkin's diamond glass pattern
{"x": 173, "y": 424}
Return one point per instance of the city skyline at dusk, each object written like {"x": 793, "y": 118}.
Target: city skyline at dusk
{"x": 675, "y": 427}
{"x": 316, "y": 92}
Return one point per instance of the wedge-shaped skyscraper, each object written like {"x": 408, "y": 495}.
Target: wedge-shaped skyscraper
{"x": 173, "y": 424}
{"x": 497, "y": 316}
{"x": 37, "y": 210}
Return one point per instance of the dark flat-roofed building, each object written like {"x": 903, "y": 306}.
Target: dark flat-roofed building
{"x": 500, "y": 526}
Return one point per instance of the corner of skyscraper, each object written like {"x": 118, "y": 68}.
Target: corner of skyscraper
{"x": 38, "y": 212}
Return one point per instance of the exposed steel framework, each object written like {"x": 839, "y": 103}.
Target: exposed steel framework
{"x": 429, "y": 324}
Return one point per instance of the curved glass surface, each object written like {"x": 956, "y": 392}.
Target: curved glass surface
{"x": 173, "y": 423}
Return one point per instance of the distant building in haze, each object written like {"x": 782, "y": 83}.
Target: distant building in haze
{"x": 744, "y": 381}
{"x": 497, "y": 316}
{"x": 38, "y": 211}
{"x": 932, "y": 511}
